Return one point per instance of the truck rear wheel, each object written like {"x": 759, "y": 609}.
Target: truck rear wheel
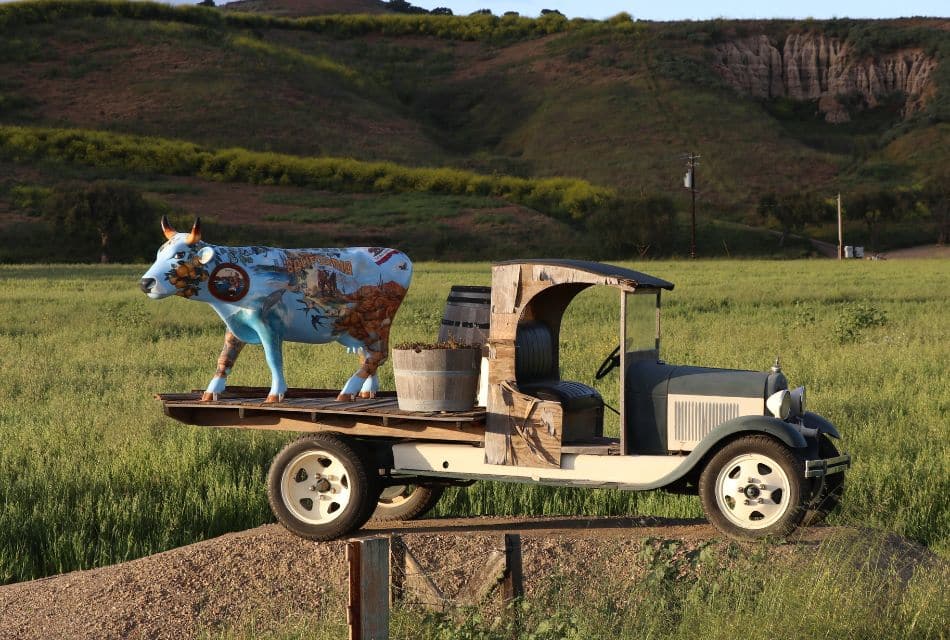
{"x": 320, "y": 486}
{"x": 752, "y": 488}
{"x": 406, "y": 501}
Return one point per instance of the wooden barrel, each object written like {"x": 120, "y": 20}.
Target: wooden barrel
{"x": 436, "y": 379}
{"x": 466, "y": 316}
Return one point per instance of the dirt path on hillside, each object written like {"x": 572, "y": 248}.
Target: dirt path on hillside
{"x": 265, "y": 575}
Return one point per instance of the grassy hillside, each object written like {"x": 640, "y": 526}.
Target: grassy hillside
{"x": 615, "y": 102}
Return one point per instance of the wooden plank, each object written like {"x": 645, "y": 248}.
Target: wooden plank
{"x": 491, "y": 573}
{"x": 470, "y": 432}
{"x": 506, "y": 281}
{"x": 523, "y": 430}
{"x": 514, "y": 578}
{"x": 416, "y": 584}
{"x": 592, "y": 449}
{"x": 339, "y": 408}
{"x": 368, "y": 607}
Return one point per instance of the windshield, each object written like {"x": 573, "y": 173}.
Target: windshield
{"x": 642, "y": 322}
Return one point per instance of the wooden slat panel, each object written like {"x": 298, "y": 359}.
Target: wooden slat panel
{"x": 373, "y": 409}
{"x": 523, "y": 430}
{"x": 209, "y": 416}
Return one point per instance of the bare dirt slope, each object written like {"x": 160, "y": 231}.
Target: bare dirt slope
{"x": 266, "y": 575}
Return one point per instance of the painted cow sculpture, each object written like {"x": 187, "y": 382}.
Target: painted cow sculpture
{"x": 267, "y": 296}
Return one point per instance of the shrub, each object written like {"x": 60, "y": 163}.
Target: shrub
{"x": 855, "y": 319}
{"x": 565, "y": 198}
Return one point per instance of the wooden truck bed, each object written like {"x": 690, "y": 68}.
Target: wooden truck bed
{"x": 313, "y": 410}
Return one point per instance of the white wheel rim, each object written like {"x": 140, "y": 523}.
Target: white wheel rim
{"x": 315, "y": 487}
{"x": 395, "y": 495}
{"x": 753, "y": 491}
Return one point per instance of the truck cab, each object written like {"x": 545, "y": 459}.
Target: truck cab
{"x": 760, "y": 462}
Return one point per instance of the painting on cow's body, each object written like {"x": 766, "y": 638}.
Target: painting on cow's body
{"x": 267, "y": 296}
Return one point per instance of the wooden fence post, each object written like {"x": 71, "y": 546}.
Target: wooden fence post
{"x": 514, "y": 578}
{"x": 368, "y": 607}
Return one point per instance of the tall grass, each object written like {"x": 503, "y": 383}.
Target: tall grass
{"x": 844, "y": 589}
{"x": 563, "y": 197}
{"x": 91, "y": 472}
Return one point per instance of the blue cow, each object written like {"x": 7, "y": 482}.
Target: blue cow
{"x": 266, "y": 296}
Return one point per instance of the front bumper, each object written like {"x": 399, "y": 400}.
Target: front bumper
{"x": 828, "y": 466}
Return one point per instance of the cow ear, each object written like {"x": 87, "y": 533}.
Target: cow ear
{"x": 205, "y": 255}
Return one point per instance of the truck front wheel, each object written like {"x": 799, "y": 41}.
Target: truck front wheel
{"x": 320, "y": 486}
{"x": 752, "y": 488}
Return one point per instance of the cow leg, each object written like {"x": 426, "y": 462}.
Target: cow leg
{"x": 230, "y": 352}
{"x": 370, "y": 387}
{"x": 273, "y": 353}
{"x": 364, "y": 382}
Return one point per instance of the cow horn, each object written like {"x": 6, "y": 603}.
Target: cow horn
{"x": 195, "y": 235}
{"x": 167, "y": 229}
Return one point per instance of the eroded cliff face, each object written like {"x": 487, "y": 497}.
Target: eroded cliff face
{"x": 812, "y": 66}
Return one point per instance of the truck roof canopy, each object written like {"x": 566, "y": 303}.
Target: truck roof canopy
{"x": 609, "y": 272}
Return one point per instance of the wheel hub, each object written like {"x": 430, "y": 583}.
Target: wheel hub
{"x": 323, "y": 485}
{"x": 752, "y": 491}
{"x": 315, "y": 487}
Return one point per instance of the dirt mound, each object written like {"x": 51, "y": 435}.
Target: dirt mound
{"x": 268, "y": 574}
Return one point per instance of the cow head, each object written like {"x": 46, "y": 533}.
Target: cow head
{"x": 180, "y": 266}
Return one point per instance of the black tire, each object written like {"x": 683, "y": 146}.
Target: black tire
{"x": 413, "y": 501}
{"x": 826, "y": 496}
{"x": 328, "y": 473}
{"x": 771, "y": 505}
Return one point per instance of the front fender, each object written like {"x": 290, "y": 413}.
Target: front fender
{"x": 754, "y": 424}
{"x": 745, "y": 425}
{"x": 815, "y": 421}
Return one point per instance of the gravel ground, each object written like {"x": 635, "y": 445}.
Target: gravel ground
{"x": 266, "y": 575}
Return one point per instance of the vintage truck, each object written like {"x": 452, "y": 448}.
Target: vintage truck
{"x": 761, "y": 463}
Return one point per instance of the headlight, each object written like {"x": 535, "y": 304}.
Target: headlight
{"x": 780, "y": 404}
{"x": 798, "y": 401}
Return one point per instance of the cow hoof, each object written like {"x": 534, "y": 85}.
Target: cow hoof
{"x": 271, "y": 398}
{"x": 367, "y": 394}
{"x": 345, "y": 397}
{"x": 208, "y": 396}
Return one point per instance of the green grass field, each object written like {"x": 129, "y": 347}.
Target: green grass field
{"x": 92, "y": 473}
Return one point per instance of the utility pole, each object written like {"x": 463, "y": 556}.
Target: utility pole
{"x": 840, "y": 231}
{"x": 689, "y": 181}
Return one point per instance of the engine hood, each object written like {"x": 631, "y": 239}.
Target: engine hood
{"x": 661, "y": 379}
{"x": 669, "y": 407}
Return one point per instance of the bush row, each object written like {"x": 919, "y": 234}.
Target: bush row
{"x": 564, "y": 198}
{"x": 474, "y": 27}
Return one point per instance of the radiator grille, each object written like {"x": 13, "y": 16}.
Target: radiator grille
{"x": 693, "y": 419}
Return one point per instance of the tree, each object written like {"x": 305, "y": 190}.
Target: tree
{"x": 633, "y": 227}
{"x": 402, "y": 6}
{"x": 108, "y": 214}
{"x": 441, "y": 11}
{"x": 874, "y": 208}
{"x": 206, "y": 3}
{"x": 935, "y": 197}
{"x": 792, "y": 212}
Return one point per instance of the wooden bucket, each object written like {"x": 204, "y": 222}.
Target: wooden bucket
{"x": 436, "y": 379}
{"x": 466, "y": 316}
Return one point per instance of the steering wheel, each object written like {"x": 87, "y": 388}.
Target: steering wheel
{"x": 611, "y": 361}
